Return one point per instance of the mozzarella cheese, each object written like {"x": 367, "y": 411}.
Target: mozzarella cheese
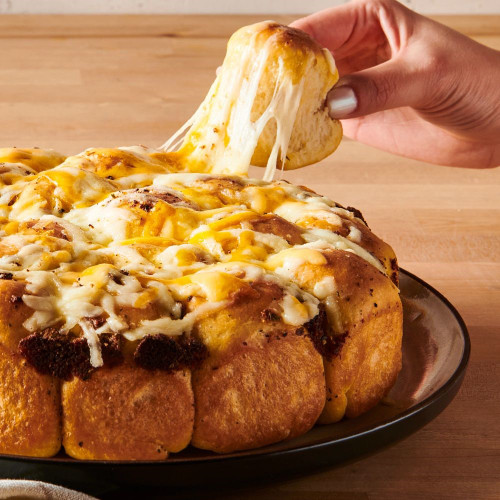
{"x": 88, "y": 243}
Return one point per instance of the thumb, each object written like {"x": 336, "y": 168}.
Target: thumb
{"x": 389, "y": 85}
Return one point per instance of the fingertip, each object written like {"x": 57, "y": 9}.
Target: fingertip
{"x": 296, "y": 24}
{"x": 303, "y": 25}
{"x": 341, "y": 102}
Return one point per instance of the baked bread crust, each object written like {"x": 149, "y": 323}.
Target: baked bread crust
{"x": 29, "y": 402}
{"x": 371, "y": 315}
{"x": 30, "y": 408}
{"x": 263, "y": 384}
{"x": 127, "y": 412}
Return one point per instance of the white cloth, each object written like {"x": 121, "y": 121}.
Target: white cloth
{"x": 36, "y": 490}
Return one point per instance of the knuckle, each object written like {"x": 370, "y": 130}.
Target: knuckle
{"x": 432, "y": 62}
{"x": 432, "y": 70}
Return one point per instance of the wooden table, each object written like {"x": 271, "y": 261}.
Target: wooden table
{"x": 72, "y": 82}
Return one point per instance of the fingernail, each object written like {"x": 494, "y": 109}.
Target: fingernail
{"x": 341, "y": 102}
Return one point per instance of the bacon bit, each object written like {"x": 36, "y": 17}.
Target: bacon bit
{"x": 342, "y": 231}
{"x": 116, "y": 278}
{"x": 63, "y": 356}
{"x": 147, "y": 206}
{"x": 111, "y": 349}
{"x": 13, "y": 200}
{"x": 318, "y": 330}
{"x": 6, "y": 276}
{"x": 52, "y": 353}
{"x": 195, "y": 352}
{"x": 269, "y": 315}
{"x": 96, "y": 321}
{"x": 357, "y": 214}
{"x": 394, "y": 274}
{"x": 152, "y": 197}
{"x": 160, "y": 352}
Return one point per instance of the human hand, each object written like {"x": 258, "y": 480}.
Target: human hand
{"x": 410, "y": 85}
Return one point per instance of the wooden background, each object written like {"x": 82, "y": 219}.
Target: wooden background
{"x": 225, "y": 6}
{"x": 72, "y": 82}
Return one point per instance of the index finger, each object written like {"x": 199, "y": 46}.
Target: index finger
{"x": 377, "y": 26}
{"x": 333, "y": 28}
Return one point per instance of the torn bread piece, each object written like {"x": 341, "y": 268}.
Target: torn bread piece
{"x": 266, "y": 106}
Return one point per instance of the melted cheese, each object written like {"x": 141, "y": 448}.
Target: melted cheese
{"x": 302, "y": 255}
{"x": 326, "y": 290}
{"x": 115, "y": 254}
{"x": 87, "y": 243}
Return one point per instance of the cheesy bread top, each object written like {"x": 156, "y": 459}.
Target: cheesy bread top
{"x": 109, "y": 229}
{"x": 94, "y": 237}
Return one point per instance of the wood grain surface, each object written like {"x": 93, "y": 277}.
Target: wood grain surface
{"x": 72, "y": 82}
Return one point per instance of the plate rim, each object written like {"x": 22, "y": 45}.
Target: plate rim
{"x": 456, "y": 376}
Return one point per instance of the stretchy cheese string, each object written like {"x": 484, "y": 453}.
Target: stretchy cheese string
{"x": 221, "y": 136}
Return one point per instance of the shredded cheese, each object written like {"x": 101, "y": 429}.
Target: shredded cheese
{"x": 87, "y": 243}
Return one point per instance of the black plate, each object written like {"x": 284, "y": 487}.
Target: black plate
{"x": 436, "y": 350}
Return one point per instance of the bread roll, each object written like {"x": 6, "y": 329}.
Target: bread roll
{"x": 266, "y": 106}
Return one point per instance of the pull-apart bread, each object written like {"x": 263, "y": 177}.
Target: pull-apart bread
{"x": 152, "y": 299}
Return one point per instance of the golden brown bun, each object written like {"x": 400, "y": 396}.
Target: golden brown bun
{"x": 29, "y": 402}
{"x": 370, "y": 241}
{"x": 371, "y": 314}
{"x": 371, "y": 358}
{"x": 30, "y": 408}
{"x": 13, "y": 313}
{"x": 127, "y": 412}
{"x": 263, "y": 381}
